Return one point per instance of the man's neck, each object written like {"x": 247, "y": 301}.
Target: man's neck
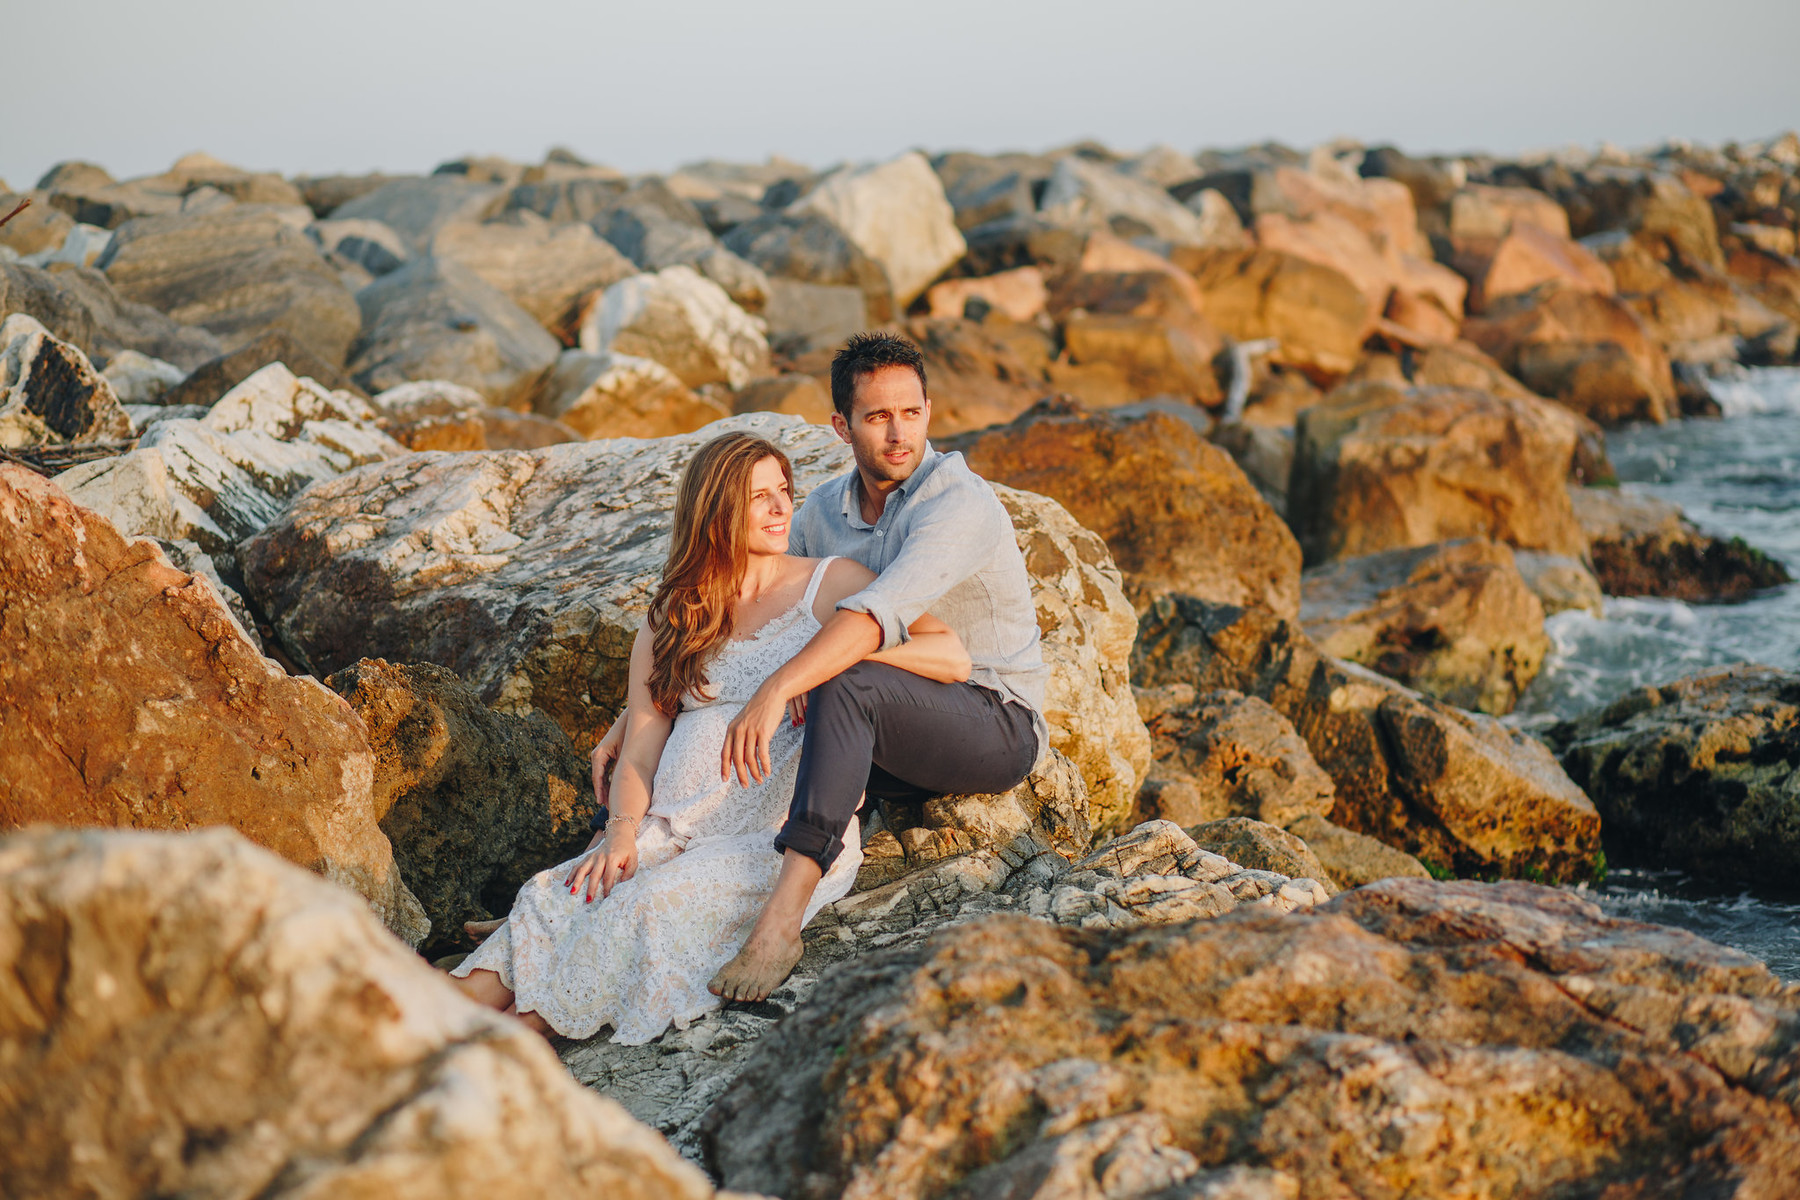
{"x": 873, "y": 494}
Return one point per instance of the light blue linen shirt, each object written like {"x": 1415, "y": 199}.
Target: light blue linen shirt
{"x": 943, "y": 545}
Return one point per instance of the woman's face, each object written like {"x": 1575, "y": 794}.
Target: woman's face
{"x": 770, "y": 509}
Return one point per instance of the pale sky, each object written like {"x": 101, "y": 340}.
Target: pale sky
{"x": 356, "y": 85}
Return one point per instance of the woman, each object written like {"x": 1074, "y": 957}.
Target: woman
{"x": 629, "y": 934}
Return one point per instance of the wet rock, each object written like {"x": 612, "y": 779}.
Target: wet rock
{"x": 246, "y": 1029}
{"x": 1176, "y": 513}
{"x": 527, "y": 573}
{"x": 140, "y": 379}
{"x": 1224, "y": 754}
{"x": 416, "y": 207}
{"x": 896, "y": 213}
{"x": 602, "y": 394}
{"x": 475, "y": 802}
{"x": 806, "y": 247}
{"x": 205, "y": 384}
{"x": 1379, "y": 466}
{"x": 1453, "y": 788}
{"x": 681, "y": 320}
{"x": 191, "y": 725}
{"x": 1337, "y": 1052}
{"x": 50, "y": 394}
{"x": 236, "y": 273}
{"x": 1642, "y": 546}
{"x": 1353, "y": 859}
{"x": 1453, "y": 620}
{"x": 435, "y": 319}
{"x": 546, "y": 270}
{"x": 1260, "y": 846}
{"x": 1318, "y": 315}
{"x": 79, "y": 305}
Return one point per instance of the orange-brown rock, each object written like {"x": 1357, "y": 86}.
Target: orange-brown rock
{"x": 1380, "y": 466}
{"x": 1318, "y": 315}
{"x": 1587, "y": 351}
{"x": 980, "y": 374}
{"x": 1143, "y": 324}
{"x": 1483, "y": 212}
{"x": 1105, "y": 253}
{"x": 800, "y": 395}
{"x": 1455, "y": 621}
{"x": 1525, "y": 257}
{"x": 187, "y": 1015}
{"x": 1224, "y": 754}
{"x": 1772, "y": 278}
{"x": 1020, "y": 294}
{"x": 131, "y": 697}
{"x": 1410, "y": 1038}
{"x": 1175, "y": 511}
{"x": 1696, "y": 314}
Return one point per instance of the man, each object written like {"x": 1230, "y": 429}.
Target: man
{"x": 940, "y": 542}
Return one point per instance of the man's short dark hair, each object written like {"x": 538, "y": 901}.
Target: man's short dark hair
{"x": 863, "y": 355}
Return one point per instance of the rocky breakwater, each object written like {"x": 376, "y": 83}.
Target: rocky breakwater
{"x": 1408, "y": 1038}
{"x": 132, "y": 697}
{"x": 527, "y": 573}
{"x": 188, "y": 1015}
{"x": 1643, "y": 546}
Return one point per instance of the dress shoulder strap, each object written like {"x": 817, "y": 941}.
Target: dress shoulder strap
{"x": 818, "y": 577}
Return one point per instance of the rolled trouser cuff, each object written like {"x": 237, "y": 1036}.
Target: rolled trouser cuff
{"x": 815, "y": 843}
{"x": 597, "y": 822}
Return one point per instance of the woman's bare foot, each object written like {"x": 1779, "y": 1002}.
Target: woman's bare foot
{"x": 479, "y": 931}
{"x": 532, "y": 1022}
{"x": 766, "y": 960}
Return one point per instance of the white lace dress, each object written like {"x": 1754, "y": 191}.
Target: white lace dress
{"x": 641, "y": 958}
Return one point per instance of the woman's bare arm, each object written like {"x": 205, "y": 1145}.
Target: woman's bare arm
{"x": 614, "y": 855}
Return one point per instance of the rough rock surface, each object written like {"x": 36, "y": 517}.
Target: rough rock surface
{"x": 682, "y": 320}
{"x": 187, "y": 1015}
{"x": 1642, "y": 546}
{"x": 1702, "y": 774}
{"x": 1153, "y": 875}
{"x": 79, "y": 305}
{"x": 1457, "y": 789}
{"x": 808, "y": 248}
{"x": 217, "y": 480}
{"x": 603, "y": 394}
{"x": 528, "y": 573}
{"x": 1175, "y": 511}
{"x": 237, "y": 273}
{"x": 546, "y": 270}
{"x": 1260, "y": 846}
{"x": 475, "y": 802}
{"x": 1087, "y": 195}
{"x": 1318, "y": 316}
{"x": 1559, "y": 582}
{"x": 1382, "y": 1045}
{"x": 1353, "y": 859}
{"x": 1224, "y": 754}
{"x": 50, "y": 394}
{"x": 417, "y": 207}
{"x": 897, "y": 214}
{"x": 434, "y": 319}
{"x": 209, "y": 381}
{"x": 1455, "y": 620}
{"x": 140, "y": 379}
{"x": 189, "y": 726}
{"x": 1379, "y": 466}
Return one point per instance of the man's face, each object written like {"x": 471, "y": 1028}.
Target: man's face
{"x": 888, "y": 420}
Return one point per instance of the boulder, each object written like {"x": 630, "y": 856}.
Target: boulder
{"x": 78, "y": 305}
{"x": 1261, "y": 846}
{"x": 980, "y": 374}
{"x": 416, "y": 207}
{"x": 1643, "y": 546}
{"x": 603, "y": 394}
{"x": 219, "y": 479}
{"x": 1482, "y": 212}
{"x": 804, "y": 318}
{"x": 1454, "y": 620}
{"x": 683, "y": 321}
{"x": 435, "y": 319}
{"x": 990, "y": 187}
{"x": 654, "y": 237}
{"x": 434, "y": 414}
{"x": 1560, "y": 583}
{"x": 1379, "y": 466}
{"x": 1176, "y": 513}
{"x": 1147, "y": 325}
{"x": 205, "y": 384}
{"x": 188, "y": 726}
{"x": 1588, "y": 351}
{"x": 140, "y": 379}
{"x": 1456, "y": 789}
{"x": 1654, "y": 207}
{"x": 237, "y": 1027}
{"x": 1698, "y": 774}
{"x": 799, "y": 395}
{"x": 1019, "y": 294}
{"x": 50, "y": 393}
{"x": 527, "y": 573}
{"x": 1697, "y": 316}
{"x": 546, "y": 270}
{"x": 1352, "y": 859}
{"x": 896, "y": 213}
{"x": 1524, "y": 258}
{"x": 475, "y": 802}
{"x": 359, "y": 244}
{"x": 237, "y": 273}
{"x": 40, "y": 227}
{"x": 1088, "y": 195}
{"x": 567, "y": 199}
{"x": 1224, "y": 754}
{"x": 1318, "y": 316}
{"x": 806, "y": 247}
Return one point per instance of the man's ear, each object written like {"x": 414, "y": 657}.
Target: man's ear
{"x": 841, "y": 427}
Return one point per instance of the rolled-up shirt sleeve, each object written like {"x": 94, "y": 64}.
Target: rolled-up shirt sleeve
{"x": 950, "y": 542}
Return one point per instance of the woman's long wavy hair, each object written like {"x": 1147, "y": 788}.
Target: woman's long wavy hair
{"x": 691, "y": 614}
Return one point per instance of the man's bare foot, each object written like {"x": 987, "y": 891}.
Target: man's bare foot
{"x": 759, "y": 968}
{"x": 479, "y": 931}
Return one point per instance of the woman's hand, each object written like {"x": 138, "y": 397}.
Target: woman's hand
{"x": 612, "y": 860}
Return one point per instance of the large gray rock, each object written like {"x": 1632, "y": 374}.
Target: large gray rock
{"x": 805, "y": 317}
{"x": 991, "y": 187}
{"x": 546, "y": 270}
{"x": 206, "y": 384}
{"x": 807, "y": 248}
{"x": 896, "y": 213}
{"x": 435, "y": 319}
{"x": 79, "y": 305}
{"x": 230, "y": 1025}
{"x": 417, "y": 207}
{"x": 1088, "y": 195}
{"x": 528, "y": 574}
{"x": 237, "y": 273}
{"x": 656, "y": 228}
{"x": 50, "y": 394}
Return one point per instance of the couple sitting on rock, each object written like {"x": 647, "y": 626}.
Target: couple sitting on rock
{"x": 881, "y": 642}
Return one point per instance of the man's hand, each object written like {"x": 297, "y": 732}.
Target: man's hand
{"x": 746, "y": 748}
{"x": 603, "y": 757}
{"x": 612, "y": 860}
